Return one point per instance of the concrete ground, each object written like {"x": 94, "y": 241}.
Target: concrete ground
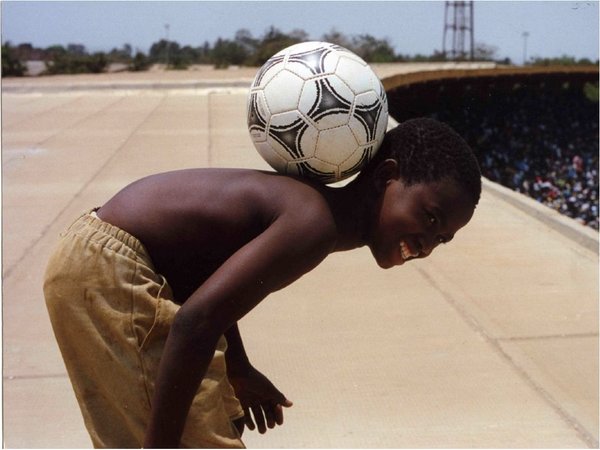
{"x": 492, "y": 342}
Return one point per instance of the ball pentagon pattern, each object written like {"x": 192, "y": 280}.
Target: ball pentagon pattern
{"x": 318, "y": 111}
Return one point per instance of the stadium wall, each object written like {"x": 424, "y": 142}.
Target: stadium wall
{"x": 417, "y": 94}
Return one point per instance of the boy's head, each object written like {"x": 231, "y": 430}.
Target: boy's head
{"x": 428, "y": 183}
{"x": 427, "y": 150}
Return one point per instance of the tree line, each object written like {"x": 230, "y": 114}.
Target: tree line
{"x": 242, "y": 50}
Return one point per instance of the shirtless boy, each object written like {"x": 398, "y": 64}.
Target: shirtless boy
{"x": 142, "y": 291}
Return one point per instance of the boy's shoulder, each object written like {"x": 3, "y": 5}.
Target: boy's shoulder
{"x": 300, "y": 206}
{"x": 229, "y": 184}
{"x": 296, "y": 216}
{"x": 289, "y": 194}
{"x": 304, "y": 202}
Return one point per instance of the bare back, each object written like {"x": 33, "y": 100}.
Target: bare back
{"x": 192, "y": 221}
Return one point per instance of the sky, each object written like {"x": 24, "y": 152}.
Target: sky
{"x": 554, "y": 28}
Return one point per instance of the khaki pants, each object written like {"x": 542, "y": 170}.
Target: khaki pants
{"x": 111, "y": 314}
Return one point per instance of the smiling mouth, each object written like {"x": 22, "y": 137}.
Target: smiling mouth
{"x": 406, "y": 252}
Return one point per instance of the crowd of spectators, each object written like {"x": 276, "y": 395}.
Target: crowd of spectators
{"x": 539, "y": 140}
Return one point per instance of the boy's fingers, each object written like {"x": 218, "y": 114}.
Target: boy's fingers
{"x": 279, "y": 414}
{"x": 248, "y": 419}
{"x": 269, "y": 415}
{"x": 259, "y": 419}
{"x": 279, "y": 410}
{"x": 254, "y": 416}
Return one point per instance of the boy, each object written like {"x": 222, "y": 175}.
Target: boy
{"x": 144, "y": 293}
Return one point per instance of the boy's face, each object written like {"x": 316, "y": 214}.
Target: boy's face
{"x": 415, "y": 219}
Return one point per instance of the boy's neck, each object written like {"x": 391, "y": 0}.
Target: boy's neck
{"x": 352, "y": 208}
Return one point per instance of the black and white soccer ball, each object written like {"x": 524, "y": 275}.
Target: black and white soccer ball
{"x": 317, "y": 110}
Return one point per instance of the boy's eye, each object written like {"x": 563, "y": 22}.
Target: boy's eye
{"x": 431, "y": 218}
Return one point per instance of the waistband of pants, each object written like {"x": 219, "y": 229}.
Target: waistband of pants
{"x": 89, "y": 226}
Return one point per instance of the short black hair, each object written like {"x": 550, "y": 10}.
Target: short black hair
{"x": 427, "y": 150}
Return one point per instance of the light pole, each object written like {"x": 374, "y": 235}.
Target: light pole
{"x": 525, "y": 35}
{"x": 168, "y": 44}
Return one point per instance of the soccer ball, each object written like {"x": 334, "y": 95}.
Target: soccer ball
{"x": 317, "y": 110}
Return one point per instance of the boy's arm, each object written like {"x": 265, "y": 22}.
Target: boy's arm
{"x": 254, "y": 391}
{"x": 290, "y": 247}
{"x": 235, "y": 357}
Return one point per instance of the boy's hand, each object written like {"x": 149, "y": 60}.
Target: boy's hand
{"x": 257, "y": 394}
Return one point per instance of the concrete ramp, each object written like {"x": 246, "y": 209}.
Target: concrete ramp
{"x": 492, "y": 342}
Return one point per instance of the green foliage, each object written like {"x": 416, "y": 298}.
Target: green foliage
{"x": 243, "y": 50}
{"x": 226, "y": 52}
{"x": 244, "y": 39}
{"x": 372, "y": 49}
{"x": 74, "y": 60}
{"x": 335, "y": 37}
{"x": 11, "y": 64}
{"x": 165, "y": 52}
{"x": 484, "y": 52}
{"x": 272, "y": 42}
{"x": 139, "y": 62}
{"x": 591, "y": 91}
{"x": 121, "y": 55}
{"x": 564, "y": 60}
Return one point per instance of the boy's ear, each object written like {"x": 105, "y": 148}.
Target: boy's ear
{"x": 385, "y": 171}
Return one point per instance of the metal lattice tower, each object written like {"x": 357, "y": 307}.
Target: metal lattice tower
{"x": 458, "y": 18}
